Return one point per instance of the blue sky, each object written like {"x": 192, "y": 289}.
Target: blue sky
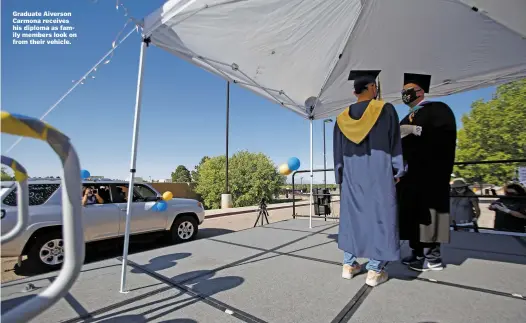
{"x": 183, "y": 112}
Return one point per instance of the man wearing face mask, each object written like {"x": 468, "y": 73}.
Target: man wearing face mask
{"x": 367, "y": 161}
{"x": 429, "y": 141}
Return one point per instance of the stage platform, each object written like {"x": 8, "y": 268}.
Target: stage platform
{"x": 286, "y": 272}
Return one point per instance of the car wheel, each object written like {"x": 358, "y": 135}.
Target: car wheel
{"x": 184, "y": 229}
{"x": 47, "y": 252}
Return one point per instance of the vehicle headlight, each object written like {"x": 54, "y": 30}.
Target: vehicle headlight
{"x": 200, "y": 204}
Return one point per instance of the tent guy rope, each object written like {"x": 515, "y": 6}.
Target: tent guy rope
{"x": 80, "y": 81}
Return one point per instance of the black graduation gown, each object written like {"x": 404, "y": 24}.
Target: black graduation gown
{"x": 429, "y": 161}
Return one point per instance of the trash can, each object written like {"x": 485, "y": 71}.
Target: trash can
{"x": 322, "y": 203}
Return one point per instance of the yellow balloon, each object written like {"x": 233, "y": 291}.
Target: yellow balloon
{"x": 284, "y": 169}
{"x": 167, "y": 195}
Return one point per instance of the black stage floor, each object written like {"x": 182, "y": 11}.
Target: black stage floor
{"x": 286, "y": 272}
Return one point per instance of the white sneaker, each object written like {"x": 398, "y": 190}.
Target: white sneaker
{"x": 424, "y": 265}
{"x": 349, "y": 271}
{"x": 374, "y": 278}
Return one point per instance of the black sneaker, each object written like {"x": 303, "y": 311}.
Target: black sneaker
{"x": 410, "y": 259}
{"x": 424, "y": 265}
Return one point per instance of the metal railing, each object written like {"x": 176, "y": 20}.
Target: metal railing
{"x": 481, "y": 162}
{"x": 454, "y": 226}
{"x": 294, "y": 215}
{"x": 72, "y": 228}
{"x": 22, "y": 199}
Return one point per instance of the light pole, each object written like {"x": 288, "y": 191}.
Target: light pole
{"x": 226, "y": 198}
{"x": 324, "y": 157}
{"x": 226, "y": 136}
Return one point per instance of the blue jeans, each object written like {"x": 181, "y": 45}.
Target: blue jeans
{"x": 376, "y": 265}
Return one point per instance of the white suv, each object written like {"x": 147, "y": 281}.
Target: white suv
{"x": 42, "y": 243}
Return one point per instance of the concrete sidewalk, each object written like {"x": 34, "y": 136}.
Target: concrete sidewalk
{"x": 241, "y": 221}
{"x": 241, "y": 210}
{"x": 247, "y": 209}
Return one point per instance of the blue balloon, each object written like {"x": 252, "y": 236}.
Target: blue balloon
{"x": 154, "y": 208}
{"x": 162, "y": 206}
{"x": 293, "y": 163}
{"x": 84, "y": 174}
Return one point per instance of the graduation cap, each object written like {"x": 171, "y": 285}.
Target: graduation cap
{"x": 422, "y": 80}
{"x": 362, "y": 78}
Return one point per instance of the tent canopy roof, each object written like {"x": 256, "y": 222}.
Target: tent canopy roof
{"x": 298, "y": 53}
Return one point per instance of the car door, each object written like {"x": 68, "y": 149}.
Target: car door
{"x": 101, "y": 221}
{"x": 39, "y": 194}
{"x": 143, "y": 218}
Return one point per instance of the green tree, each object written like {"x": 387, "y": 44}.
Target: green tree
{"x": 251, "y": 177}
{"x": 6, "y": 176}
{"x": 181, "y": 175}
{"x": 494, "y": 130}
{"x": 195, "y": 172}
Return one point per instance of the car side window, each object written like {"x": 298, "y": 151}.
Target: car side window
{"x": 38, "y": 194}
{"x": 102, "y": 190}
{"x": 144, "y": 192}
{"x": 10, "y": 199}
{"x": 122, "y": 194}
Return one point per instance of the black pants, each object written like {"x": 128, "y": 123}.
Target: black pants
{"x": 430, "y": 250}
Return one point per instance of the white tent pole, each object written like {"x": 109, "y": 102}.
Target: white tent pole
{"x": 311, "y": 176}
{"x": 135, "y": 138}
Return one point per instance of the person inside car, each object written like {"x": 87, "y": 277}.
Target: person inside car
{"x": 104, "y": 192}
{"x": 123, "y": 193}
{"x": 91, "y": 196}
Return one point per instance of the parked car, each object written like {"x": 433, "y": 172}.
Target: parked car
{"x": 42, "y": 243}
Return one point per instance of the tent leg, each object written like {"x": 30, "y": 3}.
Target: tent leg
{"x": 311, "y": 176}
{"x": 135, "y": 138}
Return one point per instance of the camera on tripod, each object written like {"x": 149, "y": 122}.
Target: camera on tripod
{"x": 262, "y": 212}
{"x": 262, "y": 203}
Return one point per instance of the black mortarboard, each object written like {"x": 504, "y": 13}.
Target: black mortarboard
{"x": 422, "y": 80}
{"x": 362, "y": 78}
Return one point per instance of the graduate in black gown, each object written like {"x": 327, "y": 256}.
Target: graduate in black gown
{"x": 429, "y": 134}
{"x": 367, "y": 161}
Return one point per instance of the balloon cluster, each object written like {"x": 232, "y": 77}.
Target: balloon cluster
{"x": 292, "y": 165}
{"x": 162, "y": 205}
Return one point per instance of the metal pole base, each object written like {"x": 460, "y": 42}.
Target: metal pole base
{"x": 226, "y": 201}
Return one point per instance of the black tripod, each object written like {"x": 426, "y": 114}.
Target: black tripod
{"x": 262, "y": 213}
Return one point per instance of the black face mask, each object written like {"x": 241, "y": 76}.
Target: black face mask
{"x": 409, "y": 95}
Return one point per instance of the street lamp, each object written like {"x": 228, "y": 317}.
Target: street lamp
{"x": 324, "y": 157}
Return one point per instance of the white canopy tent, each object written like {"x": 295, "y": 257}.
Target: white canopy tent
{"x": 298, "y": 53}
{"x": 288, "y": 51}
